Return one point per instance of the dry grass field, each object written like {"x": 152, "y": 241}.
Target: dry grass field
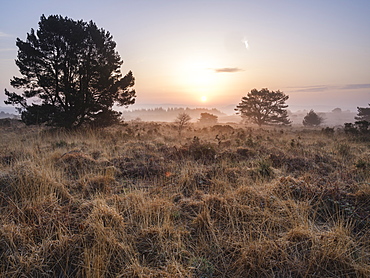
{"x": 138, "y": 200}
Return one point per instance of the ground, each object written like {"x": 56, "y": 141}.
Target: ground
{"x": 138, "y": 200}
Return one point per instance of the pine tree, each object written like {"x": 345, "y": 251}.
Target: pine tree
{"x": 72, "y": 67}
{"x": 312, "y": 119}
{"x": 264, "y": 107}
{"x": 363, "y": 114}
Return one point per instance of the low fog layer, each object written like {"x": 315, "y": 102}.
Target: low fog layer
{"x": 331, "y": 118}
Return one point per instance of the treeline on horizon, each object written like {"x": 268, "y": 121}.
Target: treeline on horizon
{"x": 4, "y": 115}
{"x": 168, "y": 114}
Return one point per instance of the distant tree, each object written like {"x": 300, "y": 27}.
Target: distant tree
{"x": 363, "y": 114}
{"x": 337, "y": 110}
{"x": 182, "y": 121}
{"x": 5, "y": 115}
{"x": 72, "y": 67}
{"x": 312, "y": 119}
{"x": 208, "y": 119}
{"x": 264, "y": 107}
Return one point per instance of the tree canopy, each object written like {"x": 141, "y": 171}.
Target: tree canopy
{"x": 208, "y": 119}
{"x": 312, "y": 119}
{"x": 264, "y": 107}
{"x": 71, "y": 75}
{"x": 363, "y": 114}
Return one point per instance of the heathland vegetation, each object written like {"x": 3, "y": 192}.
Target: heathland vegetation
{"x": 138, "y": 200}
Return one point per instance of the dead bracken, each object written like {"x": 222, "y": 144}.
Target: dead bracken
{"x": 111, "y": 203}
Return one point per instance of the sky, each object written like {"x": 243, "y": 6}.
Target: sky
{"x": 212, "y": 53}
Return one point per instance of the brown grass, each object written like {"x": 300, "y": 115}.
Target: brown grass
{"x": 138, "y": 201}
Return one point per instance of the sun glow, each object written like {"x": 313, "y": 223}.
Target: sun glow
{"x": 196, "y": 75}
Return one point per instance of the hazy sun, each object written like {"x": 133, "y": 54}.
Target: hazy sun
{"x": 203, "y": 98}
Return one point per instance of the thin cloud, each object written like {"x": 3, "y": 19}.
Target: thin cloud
{"x": 3, "y": 35}
{"x": 356, "y": 86}
{"x": 228, "y": 70}
{"x": 321, "y": 88}
{"x": 307, "y": 89}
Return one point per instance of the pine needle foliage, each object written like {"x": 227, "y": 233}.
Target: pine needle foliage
{"x": 264, "y": 107}
{"x": 71, "y": 74}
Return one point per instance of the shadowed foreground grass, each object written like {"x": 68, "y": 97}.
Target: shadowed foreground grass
{"x": 140, "y": 201}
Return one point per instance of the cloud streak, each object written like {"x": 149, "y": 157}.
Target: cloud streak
{"x": 227, "y": 70}
{"x": 321, "y": 88}
{"x": 307, "y": 89}
{"x": 356, "y": 86}
{"x": 3, "y": 35}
